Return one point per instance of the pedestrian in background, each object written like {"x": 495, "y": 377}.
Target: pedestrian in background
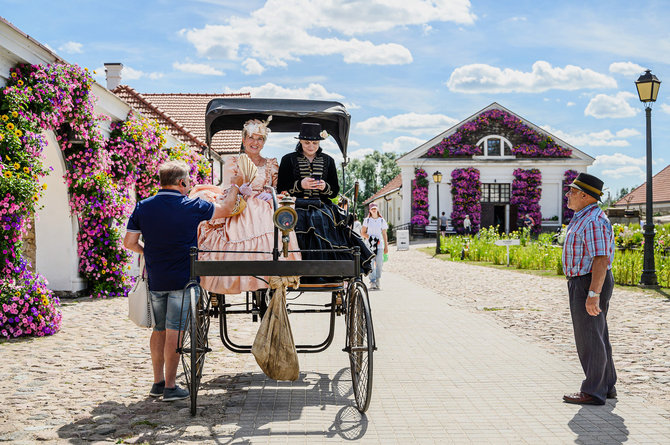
{"x": 168, "y": 222}
{"x": 588, "y": 252}
{"x": 374, "y": 230}
{"x": 443, "y": 224}
{"x": 467, "y": 225}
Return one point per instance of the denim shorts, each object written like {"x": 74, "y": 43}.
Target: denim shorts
{"x": 168, "y": 310}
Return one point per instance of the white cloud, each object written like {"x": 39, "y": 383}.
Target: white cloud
{"x": 360, "y": 153}
{"x": 570, "y": 104}
{"x": 129, "y": 73}
{"x": 482, "y": 78}
{"x": 413, "y": 123}
{"x": 665, "y": 108}
{"x": 252, "y": 67}
{"x": 622, "y": 172}
{"x": 604, "y": 106}
{"x": 603, "y": 138}
{"x": 628, "y": 69}
{"x": 197, "y": 68}
{"x": 71, "y": 47}
{"x": 284, "y": 30}
{"x": 312, "y": 91}
{"x": 402, "y": 144}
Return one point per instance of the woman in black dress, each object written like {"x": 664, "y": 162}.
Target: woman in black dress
{"x": 310, "y": 175}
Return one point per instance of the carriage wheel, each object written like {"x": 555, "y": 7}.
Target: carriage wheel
{"x": 361, "y": 344}
{"x": 195, "y": 343}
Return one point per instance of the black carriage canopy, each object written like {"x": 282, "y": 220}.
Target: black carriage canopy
{"x": 287, "y": 116}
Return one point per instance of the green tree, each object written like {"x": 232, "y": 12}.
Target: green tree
{"x": 372, "y": 172}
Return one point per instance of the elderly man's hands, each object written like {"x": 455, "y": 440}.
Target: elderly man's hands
{"x": 593, "y": 306}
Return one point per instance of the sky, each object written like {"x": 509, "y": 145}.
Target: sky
{"x": 405, "y": 69}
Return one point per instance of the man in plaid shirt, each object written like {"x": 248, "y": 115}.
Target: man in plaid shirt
{"x": 588, "y": 251}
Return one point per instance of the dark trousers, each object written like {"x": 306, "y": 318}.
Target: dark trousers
{"x": 592, "y": 337}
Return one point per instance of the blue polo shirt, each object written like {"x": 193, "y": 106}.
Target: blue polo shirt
{"x": 168, "y": 221}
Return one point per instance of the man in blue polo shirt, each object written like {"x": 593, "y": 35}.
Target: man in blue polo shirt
{"x": 169, "y": 221}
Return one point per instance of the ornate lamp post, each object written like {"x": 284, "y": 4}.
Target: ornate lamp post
{"x": 647, "y": 89}
{"x": 437, "y": 177}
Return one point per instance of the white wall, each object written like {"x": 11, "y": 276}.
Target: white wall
{"x": 55, "y": 229}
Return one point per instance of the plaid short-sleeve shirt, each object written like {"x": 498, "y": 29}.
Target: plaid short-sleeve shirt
{"x": 588, "y": 235}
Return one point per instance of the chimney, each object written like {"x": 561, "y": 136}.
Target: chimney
{"x": 113, "y": 75}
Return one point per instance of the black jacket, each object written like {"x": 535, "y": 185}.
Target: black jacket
{"x": 294, "y": 167}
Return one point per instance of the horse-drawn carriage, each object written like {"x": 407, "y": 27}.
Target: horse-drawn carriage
{"x": 344, "y": 283}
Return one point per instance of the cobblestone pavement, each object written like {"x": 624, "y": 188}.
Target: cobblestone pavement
{"x": 449, "y": 369}
{"x": 537, "y": 309}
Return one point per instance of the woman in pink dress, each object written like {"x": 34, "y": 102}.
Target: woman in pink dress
{"x": 252, "y": 230}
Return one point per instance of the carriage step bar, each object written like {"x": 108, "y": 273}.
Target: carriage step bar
{"x": 349, "y": 350}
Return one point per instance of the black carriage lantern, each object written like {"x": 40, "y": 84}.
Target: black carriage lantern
{"x": 437, "y": 177}
{"x": 647, "y": 89}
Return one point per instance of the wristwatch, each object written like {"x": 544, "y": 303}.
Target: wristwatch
{"x": 592, "y": 294}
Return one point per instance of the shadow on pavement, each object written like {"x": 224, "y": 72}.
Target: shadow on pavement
{"x": 599, "y": 425}
{"x": 231, "y": 409}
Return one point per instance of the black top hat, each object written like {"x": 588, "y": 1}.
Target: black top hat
{"x": 588, "y": 184}
{"x": 310, "y": 131}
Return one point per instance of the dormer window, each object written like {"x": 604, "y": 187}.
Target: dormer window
{"x": 495, "y": 146}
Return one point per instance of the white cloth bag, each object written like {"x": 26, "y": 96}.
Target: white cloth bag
{"x": 140, "y": 310}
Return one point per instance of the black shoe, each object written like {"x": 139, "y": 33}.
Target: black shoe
{"x": 612, "y": 394}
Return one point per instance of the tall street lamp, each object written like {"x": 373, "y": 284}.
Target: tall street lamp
{"x": 647, "y": 89}
{"x": 437, "y": 177}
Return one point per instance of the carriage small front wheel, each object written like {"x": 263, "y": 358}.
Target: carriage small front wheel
{"x": 361, "y": 343}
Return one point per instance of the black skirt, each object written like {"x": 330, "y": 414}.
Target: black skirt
{"x": 322, "y": 225}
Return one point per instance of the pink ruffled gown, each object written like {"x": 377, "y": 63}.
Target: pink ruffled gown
{"x": 251, "y": 231}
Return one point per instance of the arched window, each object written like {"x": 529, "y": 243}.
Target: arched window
{"x": 495, "y": 146}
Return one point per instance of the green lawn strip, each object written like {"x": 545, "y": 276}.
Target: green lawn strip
{"x": 662, "y": 292}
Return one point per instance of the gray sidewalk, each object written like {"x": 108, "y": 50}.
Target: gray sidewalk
{"x": 441, "y": 375}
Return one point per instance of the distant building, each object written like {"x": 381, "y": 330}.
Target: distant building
{"x": 389, "y": 201}
{"x": 637, "y": 199}
{"x": 494, "y": 142}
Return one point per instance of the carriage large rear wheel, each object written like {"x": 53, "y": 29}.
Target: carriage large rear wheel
{"x": 361, "y": 344}
{"x": 195, "y": 344}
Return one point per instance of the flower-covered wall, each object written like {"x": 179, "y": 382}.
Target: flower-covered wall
{"x": 466, "y": 191}
{"x": 568, "y": 177}
{"x": 526, "y": 194}
{"x": 526, "y": 142}
{"x": 101, "y": 178}
{"x": 420, "y": 198}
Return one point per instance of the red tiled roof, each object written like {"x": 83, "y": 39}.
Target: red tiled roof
{"x": 393, "y": 185}
{"x": 660, "y": 190}
{"x": 184, "y": 116}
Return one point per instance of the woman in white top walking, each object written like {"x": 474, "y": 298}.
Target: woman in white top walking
{"x": 374, "y": 230}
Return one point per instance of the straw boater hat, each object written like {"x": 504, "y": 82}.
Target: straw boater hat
{"x": 256, "y": 126}
{"x": 588, "y": 184}
{"x": 310, "y": 131}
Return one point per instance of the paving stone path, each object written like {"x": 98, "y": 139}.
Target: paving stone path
{"x": 537, "y": 308}
{"x": 483, "y": 358}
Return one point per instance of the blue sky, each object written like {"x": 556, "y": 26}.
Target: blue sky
{"x": 406, "y": 69}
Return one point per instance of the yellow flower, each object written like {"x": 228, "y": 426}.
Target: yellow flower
{"x": 26, "y": 170}
{"x": 44, "y": 186}
{"x": 10, "y": 126}
{"x": 36, "y": 198}
{"x": 16, "y": 166}
{"x": 5, "y": 118}
{"x": 8, "y": 174}
{"x": 30, "y": 90}
{"x": 8, "y": 158}
{"x": 20, "y": 83}
{"x": 2, "y": 136}
{"x": 18, "y": 133}
{"x": 14, "y": 75}
{"x": 15, "y": 114}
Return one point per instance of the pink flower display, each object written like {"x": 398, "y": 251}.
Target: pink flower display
{"x": 526, "y": 194}
{"x": 529, "y": 143}
{"x": 466, "y": 191}
{"x": 420, "y": 198}
{"x": 100, "y": 176}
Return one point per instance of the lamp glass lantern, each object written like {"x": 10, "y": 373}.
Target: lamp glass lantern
{"x": 647, "y": 87}
{"x": 437, "y": 177}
